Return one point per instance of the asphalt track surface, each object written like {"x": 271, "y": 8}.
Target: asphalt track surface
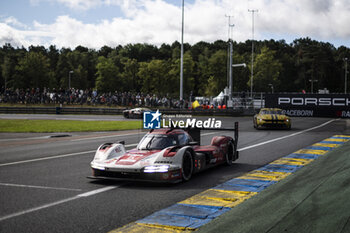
{"x": 43, "y": 184}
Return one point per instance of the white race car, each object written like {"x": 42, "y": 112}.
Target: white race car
{"x": 167, "y": 155}
{"x": 135, "y": 112}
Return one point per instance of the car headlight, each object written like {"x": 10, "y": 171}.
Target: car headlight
{"x": 160, "y": 168}
{"x": 287, "y": 120}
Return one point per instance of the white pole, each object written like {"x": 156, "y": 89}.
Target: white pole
{"x": 182, "y": 53}
{"x": 230, "y": 88}
{"x": 229, "y": 49}
{"x": 252, "y": 73}
{"x": 346, "y": 74}
{"x": 70, "y": 72}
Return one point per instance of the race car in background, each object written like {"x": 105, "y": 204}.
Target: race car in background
{"x": 271, "y": 117}
{"x": 135, "y": 112}
{"x": 166, "y": 155}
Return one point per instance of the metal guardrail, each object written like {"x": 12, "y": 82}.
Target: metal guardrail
{"x": 29, "y": 110}
{"x": 116, "y": 111}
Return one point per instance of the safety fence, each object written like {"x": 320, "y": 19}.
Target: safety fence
{"x": 118, "y": 111}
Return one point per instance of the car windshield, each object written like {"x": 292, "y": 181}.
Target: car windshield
{"x": 156, "y": 142}
{"x": 279, "y": 112}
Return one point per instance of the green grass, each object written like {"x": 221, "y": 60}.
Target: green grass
{"x": 43, "y": 126}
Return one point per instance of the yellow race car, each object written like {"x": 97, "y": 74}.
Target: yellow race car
{"x": 271, "y": 117}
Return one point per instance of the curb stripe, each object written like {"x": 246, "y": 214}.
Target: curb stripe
{"x": 265, "y": 175}
{"x": 309, "y": 151}
{"x": 219, "y": 198}
{"x": 303, "y": 156}
{"x": 341, "y": 136}
{"x": 292, "y": 161}
{"x": 319, "y": 148}
{"x": 326, "y": 144}
{"x": 280, "y": 168}
{"x": 192, "y": 213}
{"x": 336, "y": 140}
{"x": 332, "y": 142}
{"x": 142, "y": 228}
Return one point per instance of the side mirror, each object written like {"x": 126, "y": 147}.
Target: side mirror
{"x": 121, "y": 142}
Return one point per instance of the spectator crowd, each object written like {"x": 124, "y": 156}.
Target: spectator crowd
{"x": 86, "y": 97}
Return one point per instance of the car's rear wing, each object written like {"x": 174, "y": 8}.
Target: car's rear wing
{"x": 196, "y": 133}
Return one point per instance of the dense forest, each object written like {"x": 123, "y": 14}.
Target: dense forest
{"x": 150, "y": 69}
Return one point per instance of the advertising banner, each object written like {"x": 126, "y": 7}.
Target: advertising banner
{"x": 311, "y": 105}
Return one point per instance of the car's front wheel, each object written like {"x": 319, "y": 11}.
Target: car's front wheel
{"x": 187, "y": 166}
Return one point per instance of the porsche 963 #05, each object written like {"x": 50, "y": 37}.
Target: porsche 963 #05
{"x": 165, "y": 155}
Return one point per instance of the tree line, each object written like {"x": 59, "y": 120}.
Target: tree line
{"x": 150, "y": 69}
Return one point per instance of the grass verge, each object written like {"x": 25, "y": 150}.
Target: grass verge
{"x": 48, "y": 126}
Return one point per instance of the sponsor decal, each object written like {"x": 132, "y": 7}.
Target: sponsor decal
{"x": 193, "y": 123}
{"x": 177, "y": 116}
{"x": 313, "y": 101}
{"x": 293, "y": 112}
{"x": 345, "y": 114}
{"x": 311, "y": 105}
{"x": 151, "y": 120}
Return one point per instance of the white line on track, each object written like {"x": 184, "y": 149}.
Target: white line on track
{"x": 96, "y": 191}
{"x": 287, "y": 136}
{"x": 22, "y": 139}
{"x": 111, "y": 136}
{"x": 46, "y": 158}
{"x": 87, "y": 194}
{"x": 38, "y": 187}
{"x": 54, "y": 157}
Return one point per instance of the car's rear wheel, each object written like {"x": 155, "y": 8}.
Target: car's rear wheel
{"x": 229, "y": 154}
{"x": 187, "y": 166}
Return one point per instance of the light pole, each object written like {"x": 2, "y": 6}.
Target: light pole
{"x": 231, "y": 81}
{"x": 70, "y": 72}
{"x": 271, "y": 85}
{"x": 312, "y": 84}
{"x": 229, "y": 52}
{"x": 182, "y": 53}
{"x": 252, "y": 73}
{"x": 346, "y": 74}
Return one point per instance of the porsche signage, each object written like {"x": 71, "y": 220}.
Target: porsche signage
{"x": 317, "y": 105}
{"x": 313, "y": 101}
